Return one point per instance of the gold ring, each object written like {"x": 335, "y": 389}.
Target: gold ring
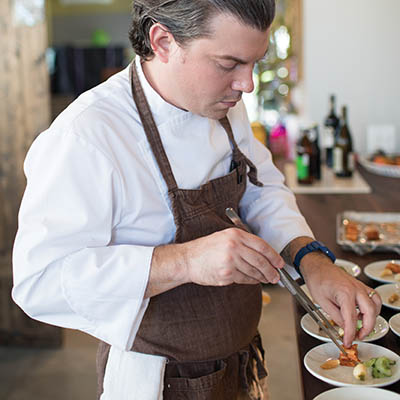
{"x": 371, "y": 294}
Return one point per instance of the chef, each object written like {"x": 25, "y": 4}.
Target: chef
{"x": 122, "y": 228}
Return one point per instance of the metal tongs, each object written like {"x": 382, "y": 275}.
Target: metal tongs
{"x": 296, "y": 291}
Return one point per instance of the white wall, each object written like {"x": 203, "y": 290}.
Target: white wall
{"x": 352, "y": 49}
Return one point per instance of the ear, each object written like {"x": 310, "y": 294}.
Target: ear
{"x": 161, "y": 41}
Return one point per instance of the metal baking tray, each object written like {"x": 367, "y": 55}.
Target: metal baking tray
{"x": 387, "y": 226}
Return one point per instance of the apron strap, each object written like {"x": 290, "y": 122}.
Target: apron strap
{"x": 252, "y": 174}
{"x": 151, "y": 130}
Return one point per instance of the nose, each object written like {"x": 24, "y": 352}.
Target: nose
{"x": 243, "y": 82}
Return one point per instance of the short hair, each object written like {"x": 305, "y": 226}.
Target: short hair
{"x": 189, "y": 19}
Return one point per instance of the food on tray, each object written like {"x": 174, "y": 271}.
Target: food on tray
{"x": 393, "y": 298}
{"x": 351, "y": 231}
{"x": 381, "y": 367}
{"x": 364, "y": 232}
{"x": 350, "y": 359}
{"x": 371, "y": 232}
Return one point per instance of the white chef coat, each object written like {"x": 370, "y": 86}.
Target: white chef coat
{"x": 96, "y": 205}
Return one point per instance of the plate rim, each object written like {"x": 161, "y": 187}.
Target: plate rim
{"x": 390, "y": 323}
{"x": 379, "y": 279}
{"x": 384, "y": 303}
{"x": 340, "y": 389}
{"x": 343, "y": 384}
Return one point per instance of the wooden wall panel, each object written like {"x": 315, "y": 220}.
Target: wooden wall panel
{"x": 24, "y": 113}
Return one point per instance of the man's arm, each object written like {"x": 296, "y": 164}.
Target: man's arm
{"x": 220, "y": 259}
{"x": 337, "y": 292}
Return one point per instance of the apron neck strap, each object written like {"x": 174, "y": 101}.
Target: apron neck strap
{"x": 150, "y": 129}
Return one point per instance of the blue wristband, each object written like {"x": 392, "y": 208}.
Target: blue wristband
{"x": 309, "y": 248}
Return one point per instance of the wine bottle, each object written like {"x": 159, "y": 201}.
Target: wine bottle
{"x": 331, "y": 124}
{"x": 343, "y": 156}
{"x": 303, "y": 157}
{"x": 315, "y": 160}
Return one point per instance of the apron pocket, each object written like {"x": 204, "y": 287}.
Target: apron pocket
{"x": 190, "y": 377}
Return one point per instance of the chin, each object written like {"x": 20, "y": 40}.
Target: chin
{"x": 215, "y": 114}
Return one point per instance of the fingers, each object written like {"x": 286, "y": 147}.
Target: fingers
{"x": 253, "y": 257}
{"x": 370, "y": 306}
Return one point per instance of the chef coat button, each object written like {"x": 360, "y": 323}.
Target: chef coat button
{"x": 168, "y": 386}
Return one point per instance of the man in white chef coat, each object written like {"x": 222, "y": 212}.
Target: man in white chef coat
{"x": 122, "y": 232}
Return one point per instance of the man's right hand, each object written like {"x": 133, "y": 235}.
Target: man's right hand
{"x": 219, "y": 259}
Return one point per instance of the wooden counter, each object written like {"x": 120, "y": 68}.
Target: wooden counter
{"x": 320, "y": 211}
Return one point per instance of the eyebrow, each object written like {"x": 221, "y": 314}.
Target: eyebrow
{"x": 236, "y": 59}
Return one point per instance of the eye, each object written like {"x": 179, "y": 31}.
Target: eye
{"x": 227, "y": 66}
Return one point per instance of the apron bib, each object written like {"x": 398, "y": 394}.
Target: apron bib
{"x": 207, "y": 333}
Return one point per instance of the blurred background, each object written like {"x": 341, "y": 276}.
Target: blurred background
{"x": 323, "y": 55}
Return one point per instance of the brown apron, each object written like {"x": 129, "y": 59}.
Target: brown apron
{"x": 208, "y": 334}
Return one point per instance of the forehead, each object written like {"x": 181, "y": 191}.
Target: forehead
{"x": 230, "y": 37}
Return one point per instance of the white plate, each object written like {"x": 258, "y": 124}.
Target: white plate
{"x": 311, "y": 327}
{"x": 343, "y": 376}
{"x": 392, "y": 171}
{"x": 349, "y": 267}
{"x": 385, "y": 291}
{"x": 352, "y": 393}
{"x": 375, "y": 269}
{"x": 394, "y": 324}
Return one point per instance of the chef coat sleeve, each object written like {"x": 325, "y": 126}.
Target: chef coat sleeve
{"x": 66, "y": 270}
{"x": 270, "y": 210}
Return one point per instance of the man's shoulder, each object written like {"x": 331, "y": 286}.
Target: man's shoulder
{"x": 104, "y": 111}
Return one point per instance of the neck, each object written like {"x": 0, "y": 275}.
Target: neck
{"x": 158, "y": 79}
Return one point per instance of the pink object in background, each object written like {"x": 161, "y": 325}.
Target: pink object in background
{"x": 278, "y": 141}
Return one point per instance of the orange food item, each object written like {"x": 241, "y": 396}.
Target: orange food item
{"x": 371, "y": 232}
{"x": 395, "y": 268}
{"x": 393, "y": 298}
{"x": 351, "y": 358}
{"x": 352, "y": 231}
{"x": 331, "y": 363}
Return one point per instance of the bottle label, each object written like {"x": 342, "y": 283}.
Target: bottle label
{"x": 350, "y": 162}
{"x": 337, "y": 160}
{"x": 302, "y": 166}
{"x": 328, "y": 137}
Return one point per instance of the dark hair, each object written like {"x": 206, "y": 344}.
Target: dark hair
{"x": 188, "y": 19}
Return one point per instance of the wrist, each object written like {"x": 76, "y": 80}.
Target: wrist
{"x": 317, "y": 250}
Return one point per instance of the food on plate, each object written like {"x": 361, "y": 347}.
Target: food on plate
{"x": 330, "y": 363}
{"x": 393, "y": 298}
{"x": 384, "y": 159}
{"x": 340, "y": 330}
{"x": 391, "y": 269}
{"x": 350, "y": 359}
{"x": 381, "y": 367}
{"x": 360, "y": 372}
{"x": 386, "y": 272}
{"x": 395, "y": 268}
{"x": 397, "y": 277}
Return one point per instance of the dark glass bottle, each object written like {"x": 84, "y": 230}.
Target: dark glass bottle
{"x": 343, "y": 156}
{"x": 331, "y": 124}
{"x": 303, "y": 158}
{"x": 315, "y": 160}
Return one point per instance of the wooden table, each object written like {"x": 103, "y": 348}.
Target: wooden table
{"x": 320, "y": 212}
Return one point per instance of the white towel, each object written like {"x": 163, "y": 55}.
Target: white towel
{"x": 133, "y": 376}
